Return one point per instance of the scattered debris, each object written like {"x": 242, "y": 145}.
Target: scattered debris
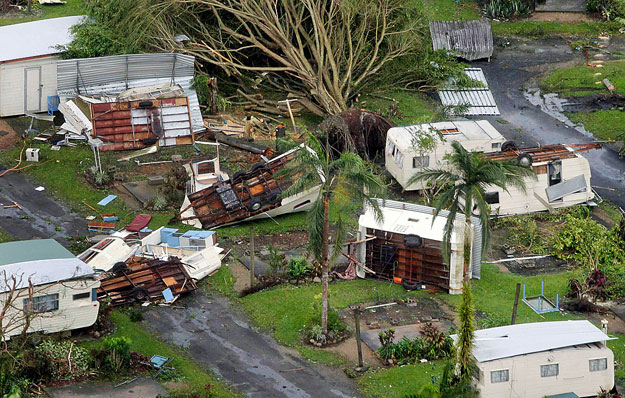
{"x": 541, "y": 304}
{"x": 144, "y": 280}
{"x": 469, "y": 101}
{"x": 107, "y": 200}
{"x": 608, "y": 84}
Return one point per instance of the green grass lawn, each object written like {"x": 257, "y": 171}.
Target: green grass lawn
{"x": 579, "y": 81}
{"x": 607, "y": 125}
{"x": 540, "y": 29}
{"x": 414, "y": 107}
{"x": 400, "y": 381}
{"x": 145, "y": 343}
{"x": 449, "y": 10}
{"x": 73, "y": 7}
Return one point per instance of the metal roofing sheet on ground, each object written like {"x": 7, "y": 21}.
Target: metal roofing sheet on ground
{"x": 470, "y": 40}
{"x": 117, "y": 73}
{"x": 480, "y": 100}
{"x": 37, "y": 38}
{"x": 528, "y": 338}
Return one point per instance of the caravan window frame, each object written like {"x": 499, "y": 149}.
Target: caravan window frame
{"x": 499, "y": 376}
{"x": 44, "y": 303}
{"x": 423, "y": 161}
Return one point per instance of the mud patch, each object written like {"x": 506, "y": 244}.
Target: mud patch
{"x": 538, "y": 266}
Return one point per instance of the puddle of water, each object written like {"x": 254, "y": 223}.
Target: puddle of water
{"x": 553, "y": 105}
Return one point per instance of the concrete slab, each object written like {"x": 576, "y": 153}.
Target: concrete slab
{"x": 370, "y": 337}
{"x": 142, "y": 191}
{"x": 142, "y": 387}
{"x": 260, "y": 267}
{"x": 561, "y": 6}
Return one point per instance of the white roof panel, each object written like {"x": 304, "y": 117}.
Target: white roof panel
{"x": 42, "y": 272}
{"x": 32, "y": 39}
{"x": 527, "y": 338}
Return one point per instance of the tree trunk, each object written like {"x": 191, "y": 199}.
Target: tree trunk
{"x": 467, "y": 251}
{"x": 324, "y": 264}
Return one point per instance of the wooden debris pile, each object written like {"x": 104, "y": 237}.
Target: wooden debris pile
{"x": 141, "y": 279}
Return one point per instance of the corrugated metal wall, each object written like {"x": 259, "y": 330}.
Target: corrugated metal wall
{"x": 470, "y": 40}
{"x": 114, "y": 74}
{"x": 476, "y": 261}
{"x": 479, "y": 100}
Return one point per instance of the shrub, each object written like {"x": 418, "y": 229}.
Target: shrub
{"x": 117, "y": 353}
{"x": 61, "y": 360}
{"x": 506, "y": 9}
{"x": 277, "y": 261}
{"x": 299, "y": 268}
{"x": 100, "y": 178}
{"x": 609, "y": 9}
{"x": 135, "y": 314}
{"x": 159, "y": 202}
{"x": 432, "y": 344}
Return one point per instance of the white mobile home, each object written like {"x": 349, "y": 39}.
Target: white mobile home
{"x": 28, "y": 60}
{"x": 405, "y": 246}
{"x": 49, "y": 285}
{"x": 562, "y": 180}
{"x": 409, "y": 149}
{"x": 535, "y": 360}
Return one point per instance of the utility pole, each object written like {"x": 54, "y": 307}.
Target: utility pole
{"x": 357, "y": 310}
{"x": 251, "y": 255}
{"x": 516, "y": 303}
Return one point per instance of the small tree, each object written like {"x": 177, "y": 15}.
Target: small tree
{"x": 344, "y": 182}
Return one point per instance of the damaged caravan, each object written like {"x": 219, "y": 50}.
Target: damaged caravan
{"x": 405, "y": 246}
{"x": 247, "y": 196}
{"x": 409, "y": 149}
{"x": 562, "y": 180}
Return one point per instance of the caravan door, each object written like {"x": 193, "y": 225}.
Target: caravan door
{"x": 32, "y": 90}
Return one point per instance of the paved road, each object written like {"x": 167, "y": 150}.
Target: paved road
{"x": 141, "y": 387}
{"x": 218, "y": 336}
{"x": 40, "y": 216}
{"x": 512, "y": 69}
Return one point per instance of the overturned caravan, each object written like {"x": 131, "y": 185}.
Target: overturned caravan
{"x": 562, "y": 180}
{"x": 247, "y": 196}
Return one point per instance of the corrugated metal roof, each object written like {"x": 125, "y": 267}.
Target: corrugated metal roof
{"x": 470, "y": 40}
{"x": 42, "y": 261}
{"x": 527, "y": 338}
{"x": 480, "y": 100}
{"x": 37, "y": 38}
{"x": 426, "y": 229}
{"x": 117, "y": 73}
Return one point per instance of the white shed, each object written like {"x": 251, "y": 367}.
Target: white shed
{"x": 60, "y": 296}
{"x": 404, "y": 155}
{"x": 534, "y": 360}
{"x": 405, "y": 246}
{"x": 28, "y": 58}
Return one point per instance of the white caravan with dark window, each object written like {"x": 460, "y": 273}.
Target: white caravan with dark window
{"x": 536, "y": 360}
{"x": 410, "y": 149}
{"x": 43, "y": 283}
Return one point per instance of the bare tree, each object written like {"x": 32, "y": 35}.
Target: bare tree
{"x": 324, "y": 52}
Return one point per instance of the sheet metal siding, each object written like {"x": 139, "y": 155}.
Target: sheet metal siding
{"x": 480, "y": 99}
{"x": 114, "y": 74}
{"x": 470, "y": 40}
{"x": 476, "y": 261}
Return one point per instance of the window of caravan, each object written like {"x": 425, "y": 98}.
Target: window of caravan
{"x": 496, "y": 146}
{"x": 399, "y": 159}
{"x": 596, "y": 365}
{"x": 492, "y": 198}
{"x": 500, "y": 376}
{"x": 419, "y": 162}
{"x": 389, "y": 146}
{"x": 49, "y": 302}
{"x": 549, "y": 370}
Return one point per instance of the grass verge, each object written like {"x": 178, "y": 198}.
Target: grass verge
{"x": 72, "y": 7}
{"x": 541, "y": 30}
{"x": 581, "y": 80}
{"x": 145, "y": 343}
{"x": 607, "y": 124}
{"x": 400, "y": 381}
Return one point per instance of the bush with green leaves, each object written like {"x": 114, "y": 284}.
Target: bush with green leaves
{"x": 61, "y": 360}
{"x": 506, "y": 9}
{"x": 609, "y": 9}
{"x": 117, "y": 353}
{"x": 277, "y": 261}
{"x": 432, "y": 344}
{"x": 299, "y": 268}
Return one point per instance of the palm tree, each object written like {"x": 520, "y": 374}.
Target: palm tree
{"x": 345, "y": 181}
{"x": 465, "y": 183}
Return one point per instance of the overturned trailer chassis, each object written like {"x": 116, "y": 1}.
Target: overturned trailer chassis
{"x": 243, "y": 196}
{"x": 143, "y": 279}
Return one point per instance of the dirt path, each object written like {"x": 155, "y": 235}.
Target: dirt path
{"x": 219, "y": 337}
